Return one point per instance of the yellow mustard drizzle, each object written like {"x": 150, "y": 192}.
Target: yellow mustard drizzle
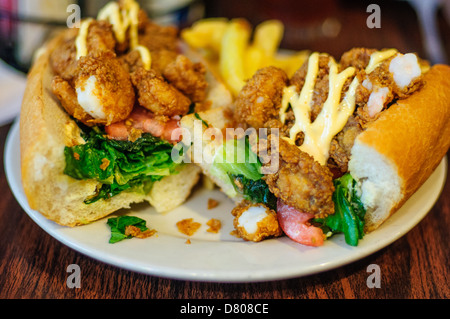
{"x": 334, "y": 113}
{"x": 122, "y": 21}
{"x": 377, "y": 57}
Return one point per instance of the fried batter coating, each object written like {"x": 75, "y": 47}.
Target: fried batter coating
{"x": 260, "y": 99}
{"x": 161, "y": 41}
{"x": 131, "y": 61}
{"x": 162, "y": 58}
{"x": 187, "y": 77}
{"x": 378, "y": 88}
{"x": 67, "y": 95}
{"x": 342, "y": 143}
{"x": 100, "y": 38}
{"x": 158, "y": 96}
{"x": 101, "y": 93}
{"x": 156, "y": 37}
{"x": 64, "y": 58}
{"x": 301, "y": 182}
{"x": 357, "y": 57}
{"x": 255, "y": 222}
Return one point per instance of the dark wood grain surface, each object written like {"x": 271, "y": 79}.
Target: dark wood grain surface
{"x": 33, "y": 264}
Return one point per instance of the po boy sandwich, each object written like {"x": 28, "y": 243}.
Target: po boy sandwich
{"x": 96, "y": 124}
{"x": 338, "y": 147}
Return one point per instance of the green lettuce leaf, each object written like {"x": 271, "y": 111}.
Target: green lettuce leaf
{"x": 236, "y": 157}
{"x": 349, "y": 211}
{"x": 237, "y": 164}
{"x": 119, "y": 165}
{"x": 118, "y": 225}
{"x": 255, "y": 191}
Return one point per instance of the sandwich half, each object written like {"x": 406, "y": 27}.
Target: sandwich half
{"x": 99, "y": 110}
{"x": 351, "y": 141}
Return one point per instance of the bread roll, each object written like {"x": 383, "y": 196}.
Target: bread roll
{"x": 400, "y": 150}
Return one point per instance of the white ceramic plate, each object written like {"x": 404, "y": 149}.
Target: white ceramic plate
{"x": 12, "y": 87}
{"x": 218, "y": 257}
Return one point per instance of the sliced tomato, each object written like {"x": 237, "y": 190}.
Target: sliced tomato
{"x": 295, "y": 225}
{"x": 145, "y": 121}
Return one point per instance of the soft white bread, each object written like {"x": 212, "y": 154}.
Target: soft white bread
{"x": 45, "y": 129}
{"x": 400, "y": 150}
{"x": 204, "y": 143}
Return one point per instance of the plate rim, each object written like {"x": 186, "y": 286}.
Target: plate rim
{"x": 171, "y": 272}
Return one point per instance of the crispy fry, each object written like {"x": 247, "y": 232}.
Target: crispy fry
{"x": 206, "y": 34}
{"x": 268, "y": 35}
{"x": 290, "y": 62}
{"x": 255, "y": 59}
{"x": 226, "y": 45}
{"x": 234, "y": 45}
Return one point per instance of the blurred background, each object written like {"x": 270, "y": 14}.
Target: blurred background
{"x": 332, "y": 26}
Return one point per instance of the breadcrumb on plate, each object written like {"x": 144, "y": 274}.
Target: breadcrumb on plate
{"x": 136, "y": 232}
{"x": 212, "y": 203}
{"x": 188, "y": 226}
{"x": 214, "y": 225}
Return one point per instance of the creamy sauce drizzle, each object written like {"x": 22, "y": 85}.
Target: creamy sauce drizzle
{"x": 80, "y": 41}
{"x": 334, "y": 114}
{"x": 122, "y": 21}
{"x": 377, "y": 57}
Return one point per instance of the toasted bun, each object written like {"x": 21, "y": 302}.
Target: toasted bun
{"x": 400, "y": 150}
{"x": 45, "y": 129}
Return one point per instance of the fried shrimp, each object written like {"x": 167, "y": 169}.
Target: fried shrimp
{"x": 342, "y": 143}
{"x": 161, "y": 41}
{"x": 260, "y": 99}
{"x": 301, "y": 182}
{"x": 255, "y": 222}
{"x": 100, "y": 38}
{"x": 67, "y": 95}
{"x": 102, "y": 92}
{"x": 187, "y": 77}
{"x": 321, "y": 86}
{"x": 158, "y": 96}
{"x": 156, "y": 37}
{"x": 394, "y": 78}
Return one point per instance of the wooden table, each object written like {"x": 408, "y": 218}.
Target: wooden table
{"x": 33, "y": 264}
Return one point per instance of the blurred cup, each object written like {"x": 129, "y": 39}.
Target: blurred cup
{"x": 26, "y": 24}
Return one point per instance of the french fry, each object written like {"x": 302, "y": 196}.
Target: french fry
{"x": 255, "y": 59}
{"x": 268, "y": 35}
{"x": 290, "y": 62}
{"x": 232, "y": 54}
{"x": 225, "y": 44}
{"x": 206, "y": 34}
{"x": 267, "y": 38}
